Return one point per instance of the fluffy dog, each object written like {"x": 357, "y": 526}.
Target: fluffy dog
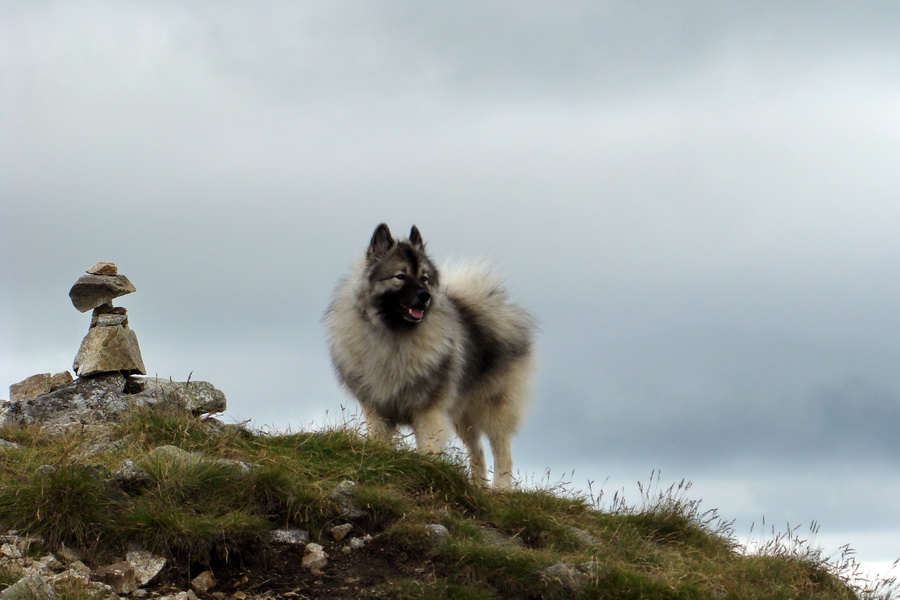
{"x": 439, "y": 352}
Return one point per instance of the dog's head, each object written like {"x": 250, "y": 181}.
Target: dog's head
{"x": 401, "y": 278}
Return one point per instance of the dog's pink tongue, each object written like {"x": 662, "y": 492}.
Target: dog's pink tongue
{"x": 417, "y": 313}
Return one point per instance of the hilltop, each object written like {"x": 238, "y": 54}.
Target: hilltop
{"x": 228, "y": 512}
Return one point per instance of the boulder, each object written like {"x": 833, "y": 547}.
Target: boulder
{"x": 91, "y": 291}
{"x": 107, "y": 350}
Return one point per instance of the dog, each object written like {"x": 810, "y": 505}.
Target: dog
{"x": 440, "y": 352}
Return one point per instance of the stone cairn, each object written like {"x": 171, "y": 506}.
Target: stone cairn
{"x": 110, "y": 345}
{"x": 108, "y": 365}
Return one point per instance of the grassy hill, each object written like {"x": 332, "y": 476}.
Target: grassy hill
{"x": 423, "y": 530}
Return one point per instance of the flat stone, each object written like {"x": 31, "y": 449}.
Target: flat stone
{"x": 146, "y": 565}
{"x": 289, "y": 536}
{"x": 109, "y": 350}
{"x": 104, "y": 268}
{"x": 34, "y": 386}
{"x": 91, "y": 291}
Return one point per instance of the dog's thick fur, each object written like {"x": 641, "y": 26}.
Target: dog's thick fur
{"x": 438, "y": 352}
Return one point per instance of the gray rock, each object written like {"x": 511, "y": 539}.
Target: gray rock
{"x": 289, "y": 536}
{"x": 91, "y": 291}
{"x": 95, "y": 399}
{"x": 146, "y": 565}
{"x": 103, "y": 398}
{"x": 30, "y": 587}
{"x": 344, "y": 495}
{"x": 585, "y": 538}
{"x": 568, "y": 576}
{"x": 499, "y": 539}
{"x": 109, "y": 350}
{"x": 199, "y": 397}
{"x": 37, "y": 385}
{"x": 437, "y": 532}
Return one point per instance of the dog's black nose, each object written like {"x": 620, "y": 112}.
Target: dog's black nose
{"x": 423, "y": 296}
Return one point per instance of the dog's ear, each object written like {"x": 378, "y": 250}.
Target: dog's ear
{"x": 381, "y": 242}
{"x": 415, "y": 238}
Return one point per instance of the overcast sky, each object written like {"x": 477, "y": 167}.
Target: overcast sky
{"x": 699, "y": 201}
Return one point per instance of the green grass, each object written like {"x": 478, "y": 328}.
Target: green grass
{"x": 227, "y": 487}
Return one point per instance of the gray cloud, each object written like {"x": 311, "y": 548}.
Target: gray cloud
{"x": 698, "y": 202}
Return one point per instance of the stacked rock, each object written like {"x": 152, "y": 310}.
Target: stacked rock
{"x": 110, "y": 345}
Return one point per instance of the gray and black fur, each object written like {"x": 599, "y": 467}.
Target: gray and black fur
{"x": 440, "y": 352}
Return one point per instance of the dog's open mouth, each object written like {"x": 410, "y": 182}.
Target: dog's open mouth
{"x": 413, "y": 314}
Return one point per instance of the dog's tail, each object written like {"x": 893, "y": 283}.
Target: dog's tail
{"x": 475, "y": 284}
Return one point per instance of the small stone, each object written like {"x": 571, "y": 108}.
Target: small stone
{"x": 289, "y": 536}
{"x": 109, "y": 350}
{"x": 118, "y": 576}
{"x": 358, "y": 543}
{"x": 203, "y": 582}
{"x": 437, "y": 531}
{"x": 104, "y": 268}
{"x": 314, "y": 557}
{"x": 111, "y": 320}
{"x": 339, "y": 532}
{"x": 91, "y": 291}
{"x": 8, "y": 445}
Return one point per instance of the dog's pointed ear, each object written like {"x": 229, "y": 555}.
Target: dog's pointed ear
{"x": 415, "y": 238}
{"x": 381, "y": 242}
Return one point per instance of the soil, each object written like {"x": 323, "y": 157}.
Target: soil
{"x": 275, "y": 571}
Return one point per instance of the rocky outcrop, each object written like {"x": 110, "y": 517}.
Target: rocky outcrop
{"x": 105, "y": 397}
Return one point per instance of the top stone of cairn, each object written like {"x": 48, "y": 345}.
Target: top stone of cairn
{"x": 99, "y": 286}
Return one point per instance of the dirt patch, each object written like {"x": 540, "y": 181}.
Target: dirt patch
{"x": 259, "y": 571}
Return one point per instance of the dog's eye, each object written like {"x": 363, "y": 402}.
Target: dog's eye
{"x": 400, "y": 276}
{"x": 424, "y": 279}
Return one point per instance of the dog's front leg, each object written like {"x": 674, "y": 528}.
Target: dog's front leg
{"x": 432, "y": 429}
{"x": 378, "y": 427}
